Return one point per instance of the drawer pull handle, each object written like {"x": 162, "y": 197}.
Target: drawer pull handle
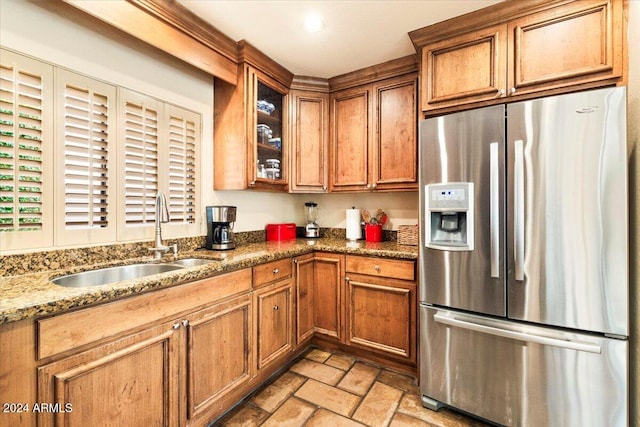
{"x": 376, "y": 267}
{"x": 275, "y": 308}
{"x": 276, "y": 271}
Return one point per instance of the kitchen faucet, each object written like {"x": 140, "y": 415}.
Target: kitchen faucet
{"x": 162, "y": 215}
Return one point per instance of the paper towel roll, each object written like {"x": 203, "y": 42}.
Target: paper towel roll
{"x": 354, "y": 231}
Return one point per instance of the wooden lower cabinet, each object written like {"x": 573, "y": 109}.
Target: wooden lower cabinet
{"x": 274, "y": 319}
{"x": 304, "y": 278}
{"x": 133, "y": 381}
{"x": 186, "y": 371}
{"x": 201, "y": 351}
{"x": 328, "y": 294}
{"x": 381, "y": 315}
{"x": 217, "y": 354}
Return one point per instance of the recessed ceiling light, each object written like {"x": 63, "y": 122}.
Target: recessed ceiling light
{"x": 313, "y": 23}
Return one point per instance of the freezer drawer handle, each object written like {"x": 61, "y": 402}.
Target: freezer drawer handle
{"x": 521, "y": 336}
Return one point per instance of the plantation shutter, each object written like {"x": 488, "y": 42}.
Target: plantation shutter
{"x": 140, "y": 159}
{"x": 85, "y": 131}
{"x": 25, "y": 138}
{"x": 183, "y": 132}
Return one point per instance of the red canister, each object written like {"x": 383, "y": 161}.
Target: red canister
{"x": 373, "y": 232}
{"x": 278, "y": 232}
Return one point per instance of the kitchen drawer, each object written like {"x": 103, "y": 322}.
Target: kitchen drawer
{"x": 381, "y": 267}
{"x": 69, "y": 331}
{"x": 271, "y": 271}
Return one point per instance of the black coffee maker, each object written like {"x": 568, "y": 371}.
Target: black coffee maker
{"x": 220, "y": 221}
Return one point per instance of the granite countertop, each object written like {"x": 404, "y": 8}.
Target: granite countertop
{"x": 33, "y": 295}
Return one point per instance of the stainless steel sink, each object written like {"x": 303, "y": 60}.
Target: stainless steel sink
{"x": 191, "y": 262}
{"x": 113, "y": 274}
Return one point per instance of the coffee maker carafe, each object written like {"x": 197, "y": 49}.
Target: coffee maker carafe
{"x": 220, "y": 220}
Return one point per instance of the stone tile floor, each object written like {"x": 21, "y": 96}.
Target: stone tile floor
{"x": 335, "y": 389}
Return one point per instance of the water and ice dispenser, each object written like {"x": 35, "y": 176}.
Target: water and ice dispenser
{"x": 449, "y": 210}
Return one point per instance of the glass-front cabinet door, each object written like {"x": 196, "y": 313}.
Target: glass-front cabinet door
{"x": 268, "y": 159}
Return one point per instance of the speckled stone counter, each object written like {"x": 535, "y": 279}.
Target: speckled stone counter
{"x": 25, "y": 296}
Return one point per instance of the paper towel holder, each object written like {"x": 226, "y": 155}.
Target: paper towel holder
{"x": 353, "y": 225}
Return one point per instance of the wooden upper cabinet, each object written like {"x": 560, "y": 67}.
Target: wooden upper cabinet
{"x": 466, "y": 68}
{"x": 251, "y": 125}
{"x": 395, "y": 141}
{"x": 519, "y": 50}
{"x": 577, "y": 43}
{"x": 350, "y": 139}
{"x": 309, "y": 157}
{"x": 373, "y": 142}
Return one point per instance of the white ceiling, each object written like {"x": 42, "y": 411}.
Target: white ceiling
{"x": 358, "y": 33}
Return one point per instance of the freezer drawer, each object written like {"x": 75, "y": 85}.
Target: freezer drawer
{"x": 521, "y": 375}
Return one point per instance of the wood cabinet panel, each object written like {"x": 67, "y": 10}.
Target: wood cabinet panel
{"x": 381, "y": 315}
{"x": 304, "y": 284}
{"x": 381, "y": 267}
{"x": 395, "y": 144}
{"x": 309, "y": 141}
{"x": 586, "y": 46}
{"x": 466, "y": 68}
{"x": 69, "y": 331}
{"x": 274, "y": 322}
{"x": 218, "y": 352}
{"x": 519, "y": 50}
{"x": 350, "y": 139}
{"x": 328, "y": 292}
{"x": 271, "y": 271}
{"x": 130, "y": 382}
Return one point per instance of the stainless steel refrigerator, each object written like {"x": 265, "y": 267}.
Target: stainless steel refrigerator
{"x": 524, "y": 261}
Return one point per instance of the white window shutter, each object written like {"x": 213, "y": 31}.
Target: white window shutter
{"x": 26, "y": 135}
{"x": 84, "y": 146}
{"x": 181, "y": 173}
{"x": 138, "y": 164}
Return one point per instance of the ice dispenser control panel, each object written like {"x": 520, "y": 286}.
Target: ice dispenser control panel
{"x": 449, "y": 210}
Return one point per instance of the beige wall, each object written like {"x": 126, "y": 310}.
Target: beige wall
{"x": 633, "y": 134}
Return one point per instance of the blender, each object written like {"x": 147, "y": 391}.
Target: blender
{"x": 310, "y": 216}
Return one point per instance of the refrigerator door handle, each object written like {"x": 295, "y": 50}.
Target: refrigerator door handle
{"x": 516, "y": 335}
{"x": 518, "y": 214}
{"x": 494, "y": 209}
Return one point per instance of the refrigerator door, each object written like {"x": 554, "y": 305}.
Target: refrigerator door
{"x": 567, "y": 208}
{"x": 460, "y": 148}
{"x": 522, "y": 375}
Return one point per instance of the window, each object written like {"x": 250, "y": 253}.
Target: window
{"x": 94, "y": 175}
{"x": 159, "y": 152}
{"x": 26, "y": 142}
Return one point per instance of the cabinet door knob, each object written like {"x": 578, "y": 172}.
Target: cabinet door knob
{"x": 500, "y": 93}
{"x": 252, "y": 183}
{"x": 368, "y": 185}
{"x": 324, "y": 188}
{"x": 512, "y": 90}
{"x": 374, "y": 185}
{"x": 276, "y": 271}
{"x": 176, "y": 325}
{"x": 376, "y": 267}
{"x": 185, "y": 322}
{"x": 275, "y": 308}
